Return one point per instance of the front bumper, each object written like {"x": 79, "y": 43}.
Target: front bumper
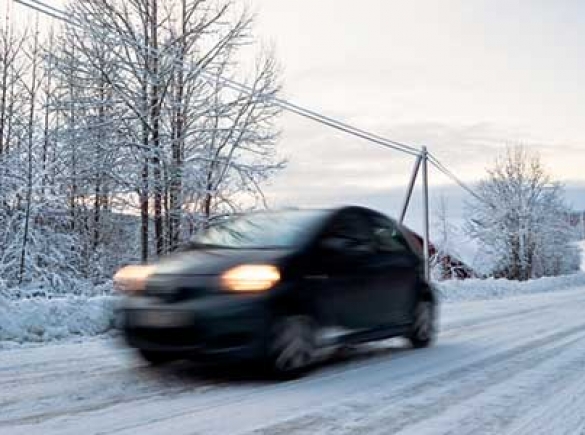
{"x": 218, "y": 325}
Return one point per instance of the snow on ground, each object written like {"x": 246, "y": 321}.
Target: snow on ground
{"x": 42, "y": 319}
{"x": 502, "y": 366}
{"x": 483, "y": 289}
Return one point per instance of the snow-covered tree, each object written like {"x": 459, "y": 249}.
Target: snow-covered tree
{"x": 119, "y": 136}
{"x": 444, "y": 244}
{"x": 521, "y": 219}
{"x": 194, "y": 143}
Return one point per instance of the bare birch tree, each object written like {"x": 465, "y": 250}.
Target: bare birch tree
{"x": 522, "y": 220}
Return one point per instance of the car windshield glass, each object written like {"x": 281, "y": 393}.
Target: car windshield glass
{"x": 260, "y": 230}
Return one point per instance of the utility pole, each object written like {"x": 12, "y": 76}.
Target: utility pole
{"x": 422, "y": 159}
{"x": 410, "y": 187}
{"x": 426, "y": 231}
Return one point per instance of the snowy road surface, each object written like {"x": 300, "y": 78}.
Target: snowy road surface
{"x": 512, "y": 366}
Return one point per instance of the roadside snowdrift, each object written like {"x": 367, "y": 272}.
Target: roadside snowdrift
{"x": 42, "y": 319}
{"x": 483, "y": 289}
{"x": 39, "y": 319}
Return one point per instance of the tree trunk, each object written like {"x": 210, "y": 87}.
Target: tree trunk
{"x": 144, "y": 205}
{"x": 98, "y": 161}
{"x": 155, "y": 125}
{"x": 3, "y": 96}
{"x": 178, "y": 142}
{"x": 8, "y": 137}
{"x": 145, "y": 184}
{"x": 29, "y": 175}
{"x": 46, "y": 144}
{"x": 72, "y": 139}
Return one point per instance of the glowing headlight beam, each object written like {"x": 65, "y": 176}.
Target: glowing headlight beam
{"x": 251, "y": 278}
{"x": 132, "y": 279}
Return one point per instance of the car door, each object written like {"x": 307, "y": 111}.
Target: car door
{"x": 343, "y": 266}
{"x": 396, "y": 272}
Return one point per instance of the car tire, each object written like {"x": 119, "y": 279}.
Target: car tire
{"x": 291, "y": 346}
{"x": 156, "y": 358}
{"x": 424, "y": 327}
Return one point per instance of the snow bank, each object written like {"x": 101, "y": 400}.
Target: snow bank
{"x": 77, "y": 288}
{"x": 40, "y": 319}
{"x": 476, "y": 289}
{"x": 47, "y": 319}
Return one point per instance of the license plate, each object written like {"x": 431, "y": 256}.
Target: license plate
{"x": 160, "y": 319}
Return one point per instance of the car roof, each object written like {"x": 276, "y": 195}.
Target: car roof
{"x": 325, "y": 210}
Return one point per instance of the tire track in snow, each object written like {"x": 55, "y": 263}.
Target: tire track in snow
{"x": 408, "y": 404}
{"x": 457, "y": 393}
{"x": 467, "y": 346}
{"x": 561, "y": 413}
{"x": 494, "y": 410}
{"x": 80, "y": 383}
{"x": 207, "y": 417}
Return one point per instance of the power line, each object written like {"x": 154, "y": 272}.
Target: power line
{"x": 284, "y": 104}
{"x": 439, "y": 166}
{"x": 310, "y": 114}
{"x": 47, "y": 6}
{"x": 297, "y": 109}
{"x": 42, "y": 8}
{"x": 442, "y": 168}
{"x": 61, "y": 15}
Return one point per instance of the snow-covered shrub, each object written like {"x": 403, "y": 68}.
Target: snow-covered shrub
{"x": 522, "y": 221}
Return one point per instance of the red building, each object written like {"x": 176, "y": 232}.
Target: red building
{"x": 450, "y": 266}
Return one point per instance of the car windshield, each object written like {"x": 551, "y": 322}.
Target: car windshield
{"x": 278, "y": 230}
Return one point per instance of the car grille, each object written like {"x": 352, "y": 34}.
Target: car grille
{"x": 171, "y": 290}
{"x": 171, "y": 337}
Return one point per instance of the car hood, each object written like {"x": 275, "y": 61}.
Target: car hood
{"x": 215, "y": 261}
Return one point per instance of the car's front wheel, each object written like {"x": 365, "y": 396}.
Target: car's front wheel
{"x": 291, "y": 346}
{"x": 424, "y": 326}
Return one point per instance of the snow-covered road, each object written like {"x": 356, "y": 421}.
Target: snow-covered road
{"x": 514, "y": 366}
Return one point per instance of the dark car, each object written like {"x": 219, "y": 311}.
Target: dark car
{"x": 277, "y": 286}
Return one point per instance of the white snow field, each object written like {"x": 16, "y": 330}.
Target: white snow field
{"x": 511, "y": 365}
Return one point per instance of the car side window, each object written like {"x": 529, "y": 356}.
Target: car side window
{"x": 387, "y": 236}
{"x": 352, "y": 227}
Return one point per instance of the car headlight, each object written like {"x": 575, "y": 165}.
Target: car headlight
{"x": 132, "y": 279}
{"x": 251, "y": 278}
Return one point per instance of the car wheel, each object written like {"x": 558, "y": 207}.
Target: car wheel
{"x": 291, "y": 347}
{"x": 424, "y": 327}
{"x": 157, "y": 358}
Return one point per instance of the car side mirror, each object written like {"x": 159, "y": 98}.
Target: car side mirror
{"x": 346, "y": 247}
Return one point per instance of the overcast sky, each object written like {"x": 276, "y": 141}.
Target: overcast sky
{"x": 463, "y": 77}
